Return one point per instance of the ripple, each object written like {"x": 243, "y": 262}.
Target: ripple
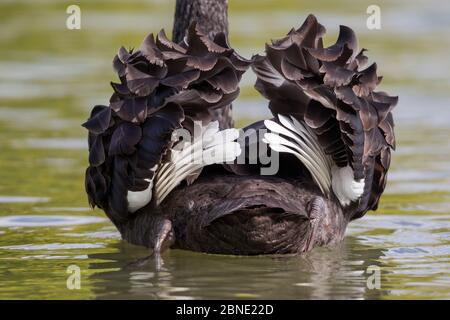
{"x": 51, "y": 143}
{"x": 409, "y": 251}
{"x": 394, "y": 222}
{"x": 54, "y": 246}
{"x": 18, "y": 199}
{"x": 54, "y": 257}
{"x": 46, "y": 221}
{"x": 98, "y": 234}
{"x": 416, "y": 187}
{"x": 66, "y": 209}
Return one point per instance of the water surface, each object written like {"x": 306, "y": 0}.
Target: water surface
{"x": 50, "y": 77}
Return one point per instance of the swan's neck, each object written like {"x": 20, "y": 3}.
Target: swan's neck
{"x": 210, "y": 15}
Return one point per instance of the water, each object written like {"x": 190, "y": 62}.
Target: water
{"x": 49, "y": 79}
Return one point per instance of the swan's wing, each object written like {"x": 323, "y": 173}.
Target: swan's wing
{"x": 163, "y": 87}
{"x": 322, "y": 98}
{"x": 250, "y": 161}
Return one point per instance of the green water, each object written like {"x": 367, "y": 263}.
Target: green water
{"x": 50, "y": 77}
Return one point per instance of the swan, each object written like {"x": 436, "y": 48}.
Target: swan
{"x": 164, "y": 155}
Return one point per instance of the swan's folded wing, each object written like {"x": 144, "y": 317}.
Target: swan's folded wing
{"x": 161, "y": 86}
{"x": 327, "y": 92}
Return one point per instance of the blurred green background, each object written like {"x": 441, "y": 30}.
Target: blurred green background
{"x": 50, "y": 77}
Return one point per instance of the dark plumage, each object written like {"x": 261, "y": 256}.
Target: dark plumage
{"x": 327, "y": 90}
{"x": 332, "y": 131}
{"x": 244, "y": 215}
{"x": 163, "y": 86}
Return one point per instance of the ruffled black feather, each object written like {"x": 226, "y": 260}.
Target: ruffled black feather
{"x": 327, "y": 89}
{"x": 161, "y": 84}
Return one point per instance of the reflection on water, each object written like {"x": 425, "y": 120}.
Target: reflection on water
{"x": 49, "y": 83}
{"x": 412, "y": 253}
{"x": 324, "y": 273}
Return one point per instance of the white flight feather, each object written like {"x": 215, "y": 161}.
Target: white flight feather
{"x": 307, "y": 135}
{"x": 305, "y": 146}
{"x": 228, "y": 152}
{"x": 345, "y": 187}
{"x": 190, "y": 150}
{"x": 139, "y": 199}
{"x": 302, "y": 150}
{"x": 306, "y": 157}
{"x": 193, "y": 152}
{"x": 213, "y": 146}
{"x": 311, "y": 136}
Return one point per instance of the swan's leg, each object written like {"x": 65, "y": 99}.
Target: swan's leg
{"x": 316, "y": 208}
{"x": 164, "y": 238}
{"x": 161, "y": 238}
{"x": 315, "y": 211}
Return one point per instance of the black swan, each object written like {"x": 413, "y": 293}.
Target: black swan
{"x": 333, "y": 134}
